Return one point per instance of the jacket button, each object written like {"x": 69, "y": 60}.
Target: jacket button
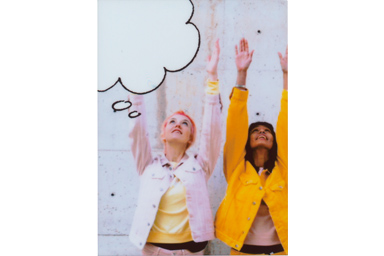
{"x": 236, "y": 246}
{"x": 161, "y": 189}
{"x": 280, "y": 186}
{"x": 254, "y": 203}
{"x": 149, "y": 224}
{"x": 249, "y": 218}
{"x": 260, "y": 187}
{"x": 154, "y": 206}
{"x": 170, "y": 168}
{"x": 153, "y": 174}
{"x": 194, "y": 169}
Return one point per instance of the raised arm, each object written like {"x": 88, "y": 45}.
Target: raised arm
{"x": 282, "y": 121}
{"x": 138, "y": 135}
{"x": 210, "y": 141}
{"x": 237, "y": 120}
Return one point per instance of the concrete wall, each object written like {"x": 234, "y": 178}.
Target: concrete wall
{"x": 264, "y": 24}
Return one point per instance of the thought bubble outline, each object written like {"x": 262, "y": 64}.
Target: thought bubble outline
{"x": 165, "y": 69}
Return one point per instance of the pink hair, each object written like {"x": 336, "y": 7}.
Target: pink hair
{"x": 193, "y": 128}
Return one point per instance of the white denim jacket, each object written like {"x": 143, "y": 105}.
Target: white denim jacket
{"x": 194, "y": 171}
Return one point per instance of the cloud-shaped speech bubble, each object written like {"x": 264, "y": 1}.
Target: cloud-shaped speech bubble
{"x": 140, "y": 40}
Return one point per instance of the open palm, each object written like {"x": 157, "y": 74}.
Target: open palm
{"x": 243, "y": 56}
{"x": 213, "y": 61}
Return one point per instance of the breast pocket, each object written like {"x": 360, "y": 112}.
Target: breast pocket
{"x": 279, "y": 191}
{"x": 157, "y": 176}
{"x": 245, "y": 189}
{"x": 278, "y": 186}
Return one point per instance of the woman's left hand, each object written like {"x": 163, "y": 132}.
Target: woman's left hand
{"x": 213, "y": 61}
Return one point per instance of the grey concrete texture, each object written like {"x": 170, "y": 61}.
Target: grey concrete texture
{"x": 264, "y": 24}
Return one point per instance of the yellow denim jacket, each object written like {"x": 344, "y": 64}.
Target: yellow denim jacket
{"x": 245, "y": 191}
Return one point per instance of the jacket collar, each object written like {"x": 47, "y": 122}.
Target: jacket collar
{"x": 165, "y": 162}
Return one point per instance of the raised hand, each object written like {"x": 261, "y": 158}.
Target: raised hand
{"x": 284, "y": 61}
{"x": 243, "y": 56}
{"x": 213, "y": 61}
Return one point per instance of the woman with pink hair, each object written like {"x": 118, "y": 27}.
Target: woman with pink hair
{"x": 173, "y": 215}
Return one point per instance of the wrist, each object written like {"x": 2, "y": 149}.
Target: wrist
{"x": 242, "y": 71}
{"x": 213, "y": 76}
{"x": 241, "y": 78}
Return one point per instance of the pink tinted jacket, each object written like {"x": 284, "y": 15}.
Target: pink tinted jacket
{"x": 156, "y": 174}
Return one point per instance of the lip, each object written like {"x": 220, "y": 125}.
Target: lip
{"x": 176, "y": 130}
{"x": 261, "y": 137}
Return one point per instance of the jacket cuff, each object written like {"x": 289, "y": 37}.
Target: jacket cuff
{"x": 239, "y": 94}
{"x": 285, "y": 95}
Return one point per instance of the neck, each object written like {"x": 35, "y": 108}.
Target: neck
{"x": 260, "y": 157}
{"x": 174, "y": 152}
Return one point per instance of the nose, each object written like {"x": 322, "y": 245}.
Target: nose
{"x": 262, "y": 131}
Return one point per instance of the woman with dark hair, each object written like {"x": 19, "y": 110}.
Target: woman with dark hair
{"x": 173, "y": 214}
{"x": 253, "y": 216}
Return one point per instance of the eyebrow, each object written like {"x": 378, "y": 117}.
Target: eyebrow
{"x": 257, "y": 127}
{"x": 181, "y": 120}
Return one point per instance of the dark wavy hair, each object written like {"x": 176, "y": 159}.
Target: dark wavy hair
{"x": 272, "y": 155}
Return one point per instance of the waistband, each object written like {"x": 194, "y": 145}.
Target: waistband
{"x": 191, "y": 246}
{"x": 258, "y": 249}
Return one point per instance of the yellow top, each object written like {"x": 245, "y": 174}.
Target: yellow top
{"x": 172, "y": 220}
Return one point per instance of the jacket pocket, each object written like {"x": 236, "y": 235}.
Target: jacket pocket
{"x": 157, "y": 175}
{"x": 247, "y": 180}
{"x": 193, "y": 170}
{"x": 278, "y": 186}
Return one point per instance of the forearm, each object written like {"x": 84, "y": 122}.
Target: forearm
{"x": 138, "y": 136}
{"x": 210, "y": 141}
{"x": 213, "y": 76}
{"x": 285, "y": 81}
{"x": 241, "y": 77}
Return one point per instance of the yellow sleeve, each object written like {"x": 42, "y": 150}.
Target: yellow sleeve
{"x": 212, "y": 87}
{"x": 282, "y": 136}
{"x": 237, "y": 131}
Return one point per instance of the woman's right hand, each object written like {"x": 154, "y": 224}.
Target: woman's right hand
{"x": 213, "y": 61}
{"x": 243, "y": 56}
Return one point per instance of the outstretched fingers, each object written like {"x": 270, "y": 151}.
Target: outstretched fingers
{"x": 246, "y": 46}
{"x": 217, "y": 45}
{"x": 242, "y": 45}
